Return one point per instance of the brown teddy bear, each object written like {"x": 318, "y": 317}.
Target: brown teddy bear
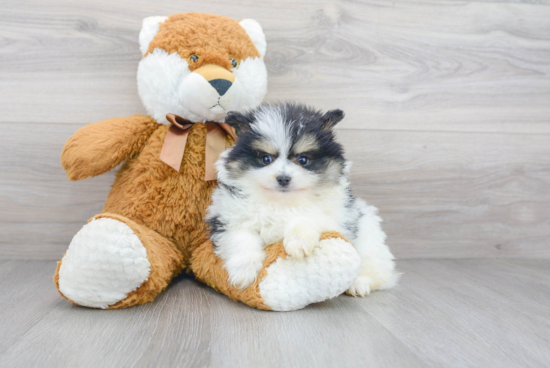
{"x": 195, "y": 68}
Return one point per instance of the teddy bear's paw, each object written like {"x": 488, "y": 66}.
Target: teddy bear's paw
{"x": 300, "y": 242}
{"x": 105, "y": 261}
{"x": 244, "y": 269}
{"x": 291, "y": 284}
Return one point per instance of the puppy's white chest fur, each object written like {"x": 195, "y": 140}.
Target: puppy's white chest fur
{"x": 272, "y": 219}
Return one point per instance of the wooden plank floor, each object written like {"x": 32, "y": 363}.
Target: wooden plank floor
{"x": 456, "y": 313}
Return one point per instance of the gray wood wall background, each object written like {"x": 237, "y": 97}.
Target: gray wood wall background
{"x": 447, "y": 102}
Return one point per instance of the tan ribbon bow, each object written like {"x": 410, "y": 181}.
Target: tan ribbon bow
{"x": 176, "y": 139}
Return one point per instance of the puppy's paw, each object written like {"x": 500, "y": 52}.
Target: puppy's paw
{"x": 243, "y": 270}
{"x": 361, "y": 287}
{"x": 300, "y": 242}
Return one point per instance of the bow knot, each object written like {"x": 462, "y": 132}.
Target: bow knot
{"x": 176, "y": 139}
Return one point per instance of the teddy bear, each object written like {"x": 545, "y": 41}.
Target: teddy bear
{"x": 194, "y": 70}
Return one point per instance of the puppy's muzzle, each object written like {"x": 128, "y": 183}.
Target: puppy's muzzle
{"x": 219, "y": 78}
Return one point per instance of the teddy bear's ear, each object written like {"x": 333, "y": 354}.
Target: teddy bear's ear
{"x": 149, "y": 29}
{"x": 239, "y": 122}
{"x": 256, "y": 34}
{"x": 331, "y": 118}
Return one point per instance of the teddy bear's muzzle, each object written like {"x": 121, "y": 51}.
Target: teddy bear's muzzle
{"x": 220, "y": 85}
{"x": 218, "y": 77}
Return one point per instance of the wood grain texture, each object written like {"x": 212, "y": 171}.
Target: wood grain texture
{"x": 422, "y": 65}
{"x": 447, "y": 111}
{"x": 461, "y": 313}
{"x": 481, "y": 312}
{"x": 26, "y": 298}
{"x": 456, "y": 194}
{"x": 440, "y": 194}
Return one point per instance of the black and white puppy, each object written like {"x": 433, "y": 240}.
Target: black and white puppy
{"x": 286, "y": 179}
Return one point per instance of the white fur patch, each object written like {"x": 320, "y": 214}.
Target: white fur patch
{"x": 166, "y": 85}
{"x": 105, "y": 261}
{"x": 159, "y": 77}
{"x": 149, "y": 29}
{"x": 243, "y": 256}
{"x": 301, "y": 238}
{"x": 270, "y": 124}
{"x": 252, "y": 76}
{"x": 256, "y": 34}
{"x": 378, "y": 267}
{"x": 326, "y": 273}
{"x": 201, "y": 99}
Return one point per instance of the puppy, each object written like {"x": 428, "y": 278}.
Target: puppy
{"x": 286, "y": 179}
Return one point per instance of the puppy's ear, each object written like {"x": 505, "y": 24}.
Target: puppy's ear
{"x": 331, "y": 118}
{"x": 240, "y": 122}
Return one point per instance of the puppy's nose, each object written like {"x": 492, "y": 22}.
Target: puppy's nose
{"x": 220, "y": 85}
{"x": 283, "y": 180}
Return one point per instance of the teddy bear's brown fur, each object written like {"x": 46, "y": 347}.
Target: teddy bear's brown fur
{"x": 163, "y": 207}
{"x": 213, "y": 37}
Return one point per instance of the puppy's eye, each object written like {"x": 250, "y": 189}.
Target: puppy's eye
{"x": 194, "y": 58}
{"x": 267, "y": 159}
{"x": 302, "y": 160}
{"x": 234, "y": 62}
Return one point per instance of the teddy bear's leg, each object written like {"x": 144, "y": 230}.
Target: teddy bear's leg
{"x": 113, "y": 262}
{"x": 284, "y": 283}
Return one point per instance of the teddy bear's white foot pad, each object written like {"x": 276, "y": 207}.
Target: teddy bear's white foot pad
{"x": 105, "y": 261}
{"x": 292, "y": 284}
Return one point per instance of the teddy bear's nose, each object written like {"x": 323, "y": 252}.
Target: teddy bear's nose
{"x": 220, "y": 85}
{"x": 219, "y": 78}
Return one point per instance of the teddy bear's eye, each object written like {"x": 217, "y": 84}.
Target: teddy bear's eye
{"x": 194, "y": 58}
{"x": 234, "y": 62}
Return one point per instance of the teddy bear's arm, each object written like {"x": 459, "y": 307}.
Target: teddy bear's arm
{"x": 97, "y": 148}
